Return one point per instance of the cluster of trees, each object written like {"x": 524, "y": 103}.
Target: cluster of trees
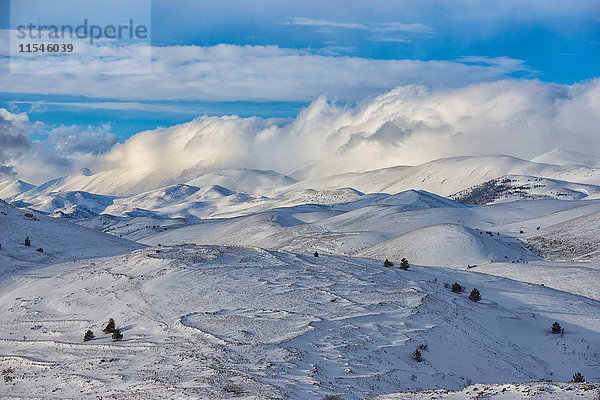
{"x": 403, "y": 264}
{"x": 458, "y": 288}
{"x": 110, "y": 328}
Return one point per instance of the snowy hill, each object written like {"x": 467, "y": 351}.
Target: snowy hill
{"x": 451, "y": 175}
{"x": 76, "y": 204}
{"x": 13, "y": 187}
{"x": 232, "y": 302}
{"x": 251, "y": 181}
{"x": 125, "y": 183}
{"x": 252, "y": 323}
{"x": 449, "y": 245}
{"x": 567, "y": 157}
{"x": 575, "y": 239}
{"x": 60, "y": 240}
{"x": 300, "y": 227}
{"x": 517, "y": 187}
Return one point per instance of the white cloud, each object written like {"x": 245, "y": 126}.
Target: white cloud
{"x": 13, "y": 138}
{"x": 302, "y": 21}
{"x": 62, "y": 150}
{"x": 253, "y": 73}
{"x": 37, "y": 106}
{"x": 407, "y": 125}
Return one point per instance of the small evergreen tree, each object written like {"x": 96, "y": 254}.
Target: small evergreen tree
{"x": 388, "y": 263}
{"x": 456, "y": 288}
{"x": 27, "y": 241}
{"x": 117, "y": 335}
{"x": 316, "y": 254}
{"x": 578, "y": 378}
{"x": 89, "y": 335}
{"x": 110, "y": 327}
{"x": 404, "y": 264}
{"x": 475, "y": 295}
{"x": 417, "y": 355}
{"x": 556, "y": 328}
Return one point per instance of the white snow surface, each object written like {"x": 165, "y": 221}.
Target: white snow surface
{"x": 567, "y": 157}
{"x": 218, "y": 322}
{"x": 59, "y": 240}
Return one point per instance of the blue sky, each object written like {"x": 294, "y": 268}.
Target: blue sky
{"x": 271, "y": 58}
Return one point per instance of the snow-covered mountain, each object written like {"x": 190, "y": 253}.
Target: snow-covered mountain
{"x": 234, "y": 192}
{"x": 448, "y": 176}
{"x": 12, "y": 187}
{"x": 517, "y": 187}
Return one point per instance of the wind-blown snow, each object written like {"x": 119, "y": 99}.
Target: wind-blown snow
{"x": 214, "y": 322}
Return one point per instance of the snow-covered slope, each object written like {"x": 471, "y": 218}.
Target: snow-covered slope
{"x": 222, "y": 322}
{"x": 518, "y": 187}
{"x": 348, "y": 229}
{"x": 567, "y": 157}
{"x": 12, "y": 187}
{"x": 575, "y": 239}
{"x": 507, "y": 391}
{"x": 450, "y": 175}
{"x": 301, "y": 227}
{"x": 124, "y": 183}
{"x": 251, "y": 181}
{"x": 60, "y": 240}
{"x": 71, "y": 204}
{"x": 449, "y": 245}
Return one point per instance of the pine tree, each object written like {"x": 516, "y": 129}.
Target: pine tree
{"x": 117, "y": 335}
{"x": 388, "y": 263}
{"x": 27, "y": 241}
{"x": 89, "y": 335}
{"x": 578, "y": 378}
{"x": 556, "y": 328}
{"x": 456, "y": 288}
{"x": 110, "y": 327}
{"x": 404, "y": 264}
{"x": 417, "y": 355}
{"x": 316, "y": 254}
{"x": 475, "y": 296}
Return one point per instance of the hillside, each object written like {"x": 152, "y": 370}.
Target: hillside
{"x": 349, "y": 228}
{"x": 516, "y": 187}
{"x": 11, "y": 187}
{"x": 60, "y": 240}
{"x": 449, "y": 245}
{"x": 447, "y": 176}
{"x": 566, "y": 157}
{"x": 255, "y": 323}
{"x": 575, "y": 239}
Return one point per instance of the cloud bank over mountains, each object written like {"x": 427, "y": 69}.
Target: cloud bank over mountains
{"x": 407, "y": 125}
